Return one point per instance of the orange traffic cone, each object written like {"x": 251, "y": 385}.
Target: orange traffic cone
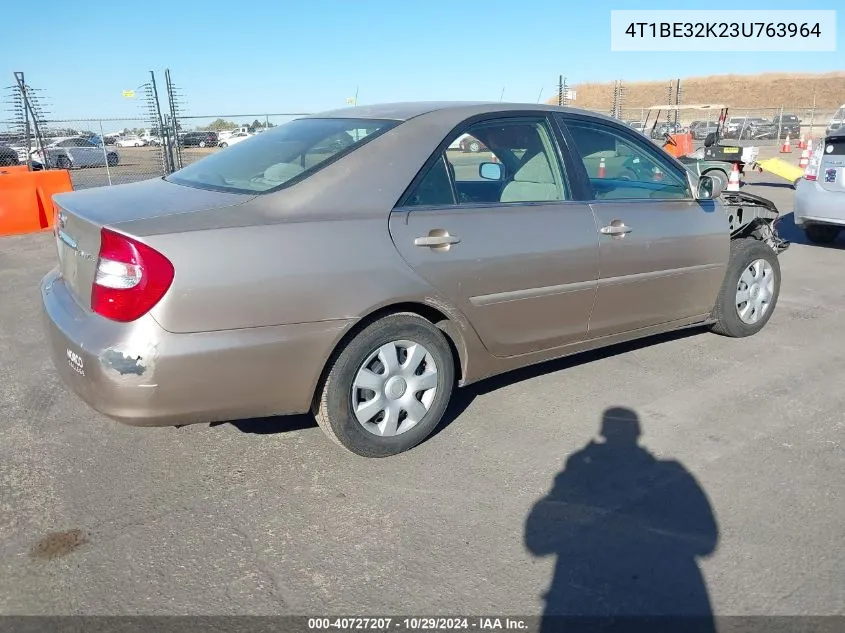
{"x": 805, "y": 159}
{"x": 786, "y": 148}
{"x": 802, "y": 143}
{"x": 602, "y": 168}
{"x": 733, "y": 181}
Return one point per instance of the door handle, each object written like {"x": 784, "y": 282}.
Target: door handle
{"x": 615, "y": 229}
{"x": 433, "y": 241}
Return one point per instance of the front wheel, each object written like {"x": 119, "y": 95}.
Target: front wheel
{"x": 224, "y": 145}
{"x": 821, "y": 233}
{"x": 112, "y": 160}
{"x": 202, "y": 143}
{"x": 388, "y": 388}
{"x": 63, "y": 162}
{"x": 475, "y": 147}
{"x": 750, "y": 290}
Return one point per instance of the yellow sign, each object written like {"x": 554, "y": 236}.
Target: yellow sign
{"x": 350, "y": 100}
{"x": 128, "y": 93}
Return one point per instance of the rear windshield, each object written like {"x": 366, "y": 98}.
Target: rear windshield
{"x": 266, "y": 162}
{"x": 834, "y": 145}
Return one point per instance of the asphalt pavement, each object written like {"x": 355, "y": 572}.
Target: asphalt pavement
{"x": 730, "y": 498}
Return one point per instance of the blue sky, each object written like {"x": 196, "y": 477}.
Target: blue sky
{"x": 284, "y": 56}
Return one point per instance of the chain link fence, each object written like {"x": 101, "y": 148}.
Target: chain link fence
{"x": 164, "y": 137}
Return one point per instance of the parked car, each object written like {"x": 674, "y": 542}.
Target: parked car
{"x": 74, "y": 152}
{"x": 820, "y": 195}
{"x": 200, "y": 139}
{"x": 365, "y": 283}
{"x": 789, "y": 124}
{"x": 639, "y": 126}
{"x": 700, "y": 129}
{"x": 8, "y": 156}
{"x": 234, "y": 139}
{"x": 130, "y": 140}
{"x": 662, "y": 129}
{"x": 837, "y": 121}
{"x": 468, "y": 144}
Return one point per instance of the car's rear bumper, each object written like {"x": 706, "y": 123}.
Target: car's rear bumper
{"x": 140, "y": 374}
{"x": 814, "y": 203}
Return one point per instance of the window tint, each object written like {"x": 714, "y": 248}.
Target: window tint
{"x": 525, "y": 161}
{"x": 435, "y": 188}
{"x": 278, "y": 155}
{"x": 621, "y": 168}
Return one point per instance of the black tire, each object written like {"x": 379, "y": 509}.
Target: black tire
{"x": 821, "y": 233}
{"x": 744, "y": 252}
{"x": 112, "y": 159}
{"x": 63, "y": 162}
{"x": 224, "y": 144}
{"x": 721, "y": 175}
{"x": 474, "y": 147}
{"x": 333, "y": 408}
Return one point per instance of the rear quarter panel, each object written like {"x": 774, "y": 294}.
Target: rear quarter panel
{"x": 279, "y": 274}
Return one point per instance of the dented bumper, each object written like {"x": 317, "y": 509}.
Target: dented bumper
{"x": 140, "y": 374}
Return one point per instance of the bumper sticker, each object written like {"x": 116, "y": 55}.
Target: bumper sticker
{"x": 830, "y": 175}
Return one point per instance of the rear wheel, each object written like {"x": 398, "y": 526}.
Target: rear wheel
{"x": 821, "y": 233}
{"x": 474, "y": 147}
{"x": 750, "y": 290}
{"x": 224, "y": 145}
{"x": 388, "y": 388}
{"x": 63, "y": 162}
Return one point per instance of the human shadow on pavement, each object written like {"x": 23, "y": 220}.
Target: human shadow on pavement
{"x": 627, "y": 529}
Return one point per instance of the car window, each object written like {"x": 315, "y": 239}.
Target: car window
{"x": 434, "y": 188}
{"x": 516, "y": 163}
{"x": 620, "y": 167}
{"x": 277, "y": 156}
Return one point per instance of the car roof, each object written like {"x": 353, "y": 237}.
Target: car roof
{"x": 404, "y": 111}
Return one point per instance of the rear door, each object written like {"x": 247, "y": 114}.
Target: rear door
{"x": 662, "y": 254}
{"x": 516, "y": 254}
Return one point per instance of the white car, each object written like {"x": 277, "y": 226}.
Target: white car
{"x": 130, "y": 141}
{"x": 235, "y": 138}
{"x": 74, "y": 152}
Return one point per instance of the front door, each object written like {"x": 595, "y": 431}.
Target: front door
{"x": 662, "y": 253}
{"x": 496, "y": 234}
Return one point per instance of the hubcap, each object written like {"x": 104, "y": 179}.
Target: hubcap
{"x": 394, "y": 388}
{"x": 755, "y": 291}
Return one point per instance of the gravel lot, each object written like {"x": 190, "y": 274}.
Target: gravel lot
{"x": 269, "y": 517}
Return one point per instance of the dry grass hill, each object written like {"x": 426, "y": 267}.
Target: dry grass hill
{"x": 771, "y": 90}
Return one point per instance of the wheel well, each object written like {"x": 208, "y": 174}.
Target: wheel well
{"x": 427, "y": 312}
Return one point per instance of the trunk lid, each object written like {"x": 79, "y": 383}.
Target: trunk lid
{"x": 81, "y": 214}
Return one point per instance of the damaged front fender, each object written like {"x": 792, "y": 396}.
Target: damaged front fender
{"x": 750, "y": 215}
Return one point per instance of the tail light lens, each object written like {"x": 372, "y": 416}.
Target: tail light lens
{"x": 131, "y": 278}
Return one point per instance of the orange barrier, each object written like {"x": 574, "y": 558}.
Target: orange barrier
{"x": 26, "y": 198}
{"x": 13, "y": 169}
{"x": 681, "y": 147}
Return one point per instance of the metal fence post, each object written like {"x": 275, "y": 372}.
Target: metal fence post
{"x": 105, "y": 152}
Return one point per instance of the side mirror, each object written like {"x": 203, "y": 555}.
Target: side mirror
{"x": 490, "y": 171}
{"x": 709, "y": 188}
{"x": 710, "y": 139}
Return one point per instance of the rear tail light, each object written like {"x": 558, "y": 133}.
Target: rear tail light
{"x": 131, "y": 278}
